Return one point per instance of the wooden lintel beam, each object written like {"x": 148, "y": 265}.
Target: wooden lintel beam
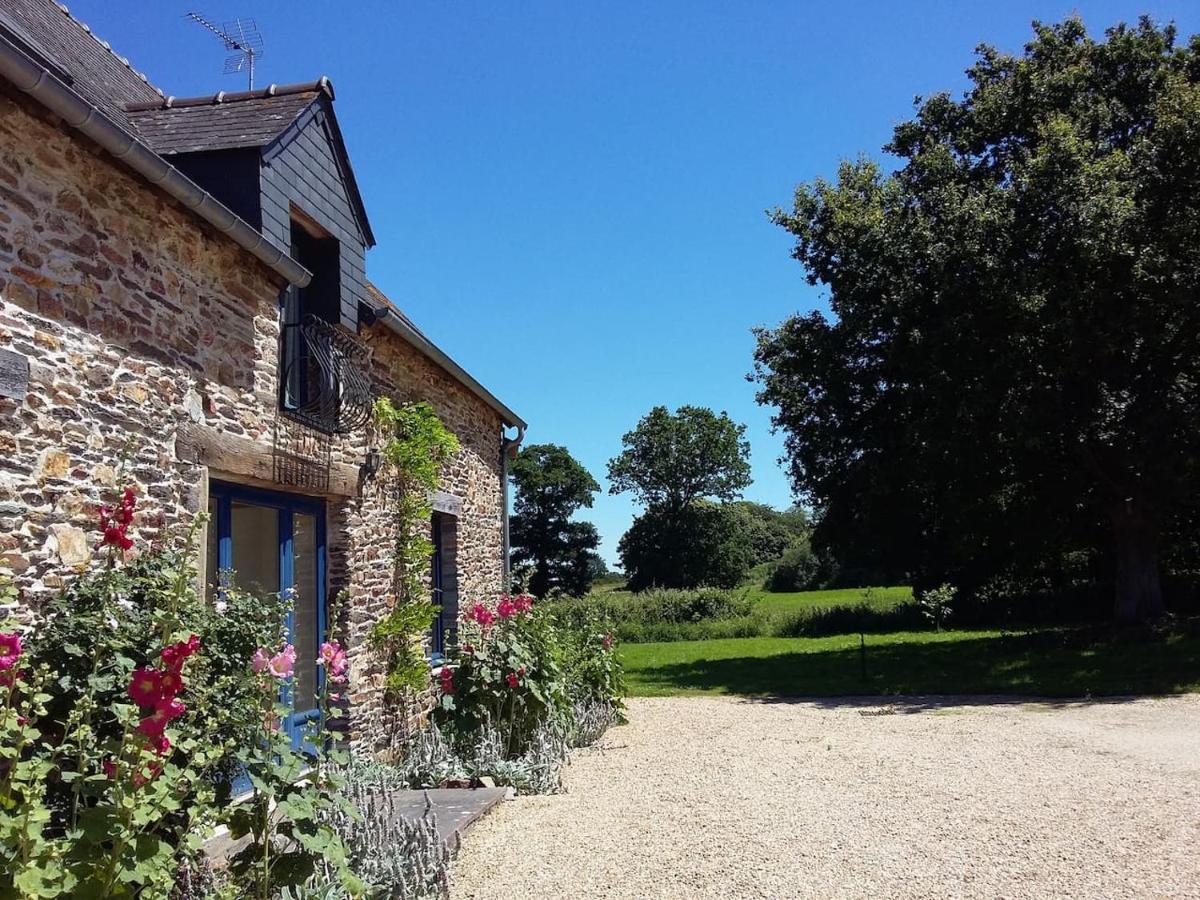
{"x": 254, "y": 460}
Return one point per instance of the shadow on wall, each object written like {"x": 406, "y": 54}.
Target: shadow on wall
{"x": 1042, "y": 664}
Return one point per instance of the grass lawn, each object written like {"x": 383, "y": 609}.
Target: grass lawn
{"x": 1051, "y": 663}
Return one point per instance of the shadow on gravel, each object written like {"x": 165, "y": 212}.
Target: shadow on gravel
{"x": 1070, "y": 666}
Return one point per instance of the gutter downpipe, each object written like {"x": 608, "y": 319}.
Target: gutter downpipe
{"x": 508, "y": 450}
{"x": 32, "y": 78}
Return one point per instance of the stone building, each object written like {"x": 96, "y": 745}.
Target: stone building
{"x": 184, "y": 307}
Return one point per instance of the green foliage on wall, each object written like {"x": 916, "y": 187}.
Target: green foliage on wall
{"x": 418, "y": 446}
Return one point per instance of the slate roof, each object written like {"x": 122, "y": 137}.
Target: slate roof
{"x": 100, "y": 75}
{"x": 224, "y": 121}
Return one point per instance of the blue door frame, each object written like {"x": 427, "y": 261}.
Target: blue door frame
{"x": 439, "y": 623}
{"x": 223, "y": 495}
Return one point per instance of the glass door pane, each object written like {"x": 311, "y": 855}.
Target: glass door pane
{"x": 255, "y": 533}
{"x": 306, "y": 624}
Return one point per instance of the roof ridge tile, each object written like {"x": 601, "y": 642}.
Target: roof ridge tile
{"x": 87, "y": 29}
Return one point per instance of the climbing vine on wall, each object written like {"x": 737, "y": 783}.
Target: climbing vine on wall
{"x": 417, "y": 446}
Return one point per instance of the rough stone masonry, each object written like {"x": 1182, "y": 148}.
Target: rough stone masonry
{"x": 124, "y": 318}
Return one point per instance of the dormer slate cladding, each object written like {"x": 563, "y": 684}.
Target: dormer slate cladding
{"x": 301, "y": 169}
{"x": 266, "y": 155}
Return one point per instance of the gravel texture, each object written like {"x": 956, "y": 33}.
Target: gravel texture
{"x": 933, "y": 797}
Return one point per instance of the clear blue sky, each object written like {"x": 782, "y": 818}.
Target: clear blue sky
{"x": 569, "y": 197}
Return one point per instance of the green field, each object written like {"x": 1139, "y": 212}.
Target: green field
{"x": 1050, "y": 663}
{"x": 879, "y": 598}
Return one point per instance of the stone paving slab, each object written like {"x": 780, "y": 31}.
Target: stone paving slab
{"x": 456, "y": 809}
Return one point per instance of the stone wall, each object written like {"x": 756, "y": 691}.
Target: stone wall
{"x": 135, "y": 319}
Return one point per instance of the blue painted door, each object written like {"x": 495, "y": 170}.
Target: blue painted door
{"x": 275, "y": 543}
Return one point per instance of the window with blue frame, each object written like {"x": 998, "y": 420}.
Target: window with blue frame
{"x": 275, "y": 543}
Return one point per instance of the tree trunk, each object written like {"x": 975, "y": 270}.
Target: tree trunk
{"x": 1139, "y": 589}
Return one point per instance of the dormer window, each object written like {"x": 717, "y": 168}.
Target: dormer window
{"x": 322, "y": 378}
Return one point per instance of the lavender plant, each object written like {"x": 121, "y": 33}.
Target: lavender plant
{"x": 398, "y": 858}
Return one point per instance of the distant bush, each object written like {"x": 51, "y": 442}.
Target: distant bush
{"x": 863, "y": 617}
{"x": 800, "y": 569}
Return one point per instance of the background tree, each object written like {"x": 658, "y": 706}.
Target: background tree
{"x": 704, "y": 544}
{"x": 551, "y": 486}
{"x": 1011, "y": 369}
{"x": 676, "y": 464}
{"x": 770, "y": 532}
{"x": 671, "y": 460}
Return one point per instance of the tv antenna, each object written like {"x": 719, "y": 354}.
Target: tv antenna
{"x": 242, "y": 38}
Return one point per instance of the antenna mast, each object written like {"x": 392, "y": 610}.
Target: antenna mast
{"x": 240, "y": 36}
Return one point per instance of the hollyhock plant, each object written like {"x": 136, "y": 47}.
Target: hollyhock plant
{"x": 114, "y": 523}
{"x": 10, "y": 650}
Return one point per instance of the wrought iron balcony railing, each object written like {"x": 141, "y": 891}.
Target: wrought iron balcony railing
{"x": 325, "y": 381}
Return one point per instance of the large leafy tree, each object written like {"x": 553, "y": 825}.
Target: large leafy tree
{"x": 551, "y": 485}
{"x": 1012, "y": 364}
{"x": 673, "y": 459}
{"x": 676, "y": 465}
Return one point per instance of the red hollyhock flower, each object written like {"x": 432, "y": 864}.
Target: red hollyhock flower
{"x": 512, "y": 680}
{"x": 160, "y": 744}
{"x": 115, "y": 522}
{"x": 152, "y": 726}
{"x": 145, "y": 687}
{"x": 171, "y": 708}
{"x": 10, "y": 649}
{"x": 170, "y": 684}
{"x": 174, "y": 654}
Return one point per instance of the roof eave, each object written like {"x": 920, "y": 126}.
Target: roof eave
{"x": 34, "y": 79}
{"x": 417, "y": 340}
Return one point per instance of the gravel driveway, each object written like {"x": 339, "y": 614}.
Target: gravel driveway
{"x": 948, "y": 797}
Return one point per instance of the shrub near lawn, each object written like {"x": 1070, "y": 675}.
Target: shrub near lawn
{"x": 665, "y": 615}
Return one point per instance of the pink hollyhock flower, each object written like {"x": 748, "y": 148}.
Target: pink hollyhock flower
{"x": 340, "y": 663}
{"x": 160, "y": 744}
{"x": 260, "y": 661}
{"x": 511, "y": 678}
{"x": 607, "y": 642}
{"x": 329, "y": 650}
{"x": 283, "y": 662}
{"x": 523, "y": 603}
{"x": 506, "y": 609}
{"x": 10, "y": 649}
{"x": 145, "y": 688}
